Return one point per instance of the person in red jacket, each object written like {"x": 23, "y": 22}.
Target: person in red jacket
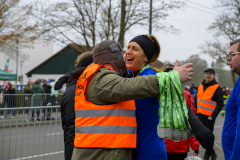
{"x": 179, "y": 150}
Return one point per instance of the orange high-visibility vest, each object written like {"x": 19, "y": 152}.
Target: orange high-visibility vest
{"x": 205, "y": 105}
{"x": 103, "y": 126}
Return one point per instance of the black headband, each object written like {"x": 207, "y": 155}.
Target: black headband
{"x": 146, "y": 45}
{"x": 86, "y": 62}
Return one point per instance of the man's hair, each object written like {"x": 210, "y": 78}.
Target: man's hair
{"x": 37, "y": 81}
{"x": 234, "y": 42}
{"x": 81, "y": 57}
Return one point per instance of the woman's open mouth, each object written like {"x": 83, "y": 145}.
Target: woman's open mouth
{"x": 130, "y": 60}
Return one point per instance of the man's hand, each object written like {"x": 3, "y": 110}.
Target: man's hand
{"x": 68, "y": 77}
{"x": 184, "y": 71}
{"x": 195, "y": 154}
{"x": 210, "y": 118}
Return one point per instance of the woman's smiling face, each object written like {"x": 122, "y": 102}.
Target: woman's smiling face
{"x": 135, "y": 57}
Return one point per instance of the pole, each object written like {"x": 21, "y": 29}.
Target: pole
{"x": 21, "y": 77}
{"x": 150, "y": 18}
{"x": 17, "y": 63}
{"x": 21, "y": 66}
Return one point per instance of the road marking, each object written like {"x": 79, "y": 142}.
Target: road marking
{"x": 218, "y": 126}
{"x": 53, "y": 134}
{"x": 40, "y": 155}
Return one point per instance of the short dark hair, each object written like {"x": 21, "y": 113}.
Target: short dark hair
{"x": 234, "y": 42}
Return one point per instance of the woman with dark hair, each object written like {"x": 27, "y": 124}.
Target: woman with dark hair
{"x": 9, "y": 101}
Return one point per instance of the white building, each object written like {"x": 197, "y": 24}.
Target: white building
{"x": 39, "y": 53}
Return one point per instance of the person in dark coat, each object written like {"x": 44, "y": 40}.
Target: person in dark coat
{"x": 67, "y": 107}
{"x": 9, "y": 101}
{"x": 47, "y": 88}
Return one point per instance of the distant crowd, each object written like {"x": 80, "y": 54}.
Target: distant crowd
{"x": 44, "y": 95}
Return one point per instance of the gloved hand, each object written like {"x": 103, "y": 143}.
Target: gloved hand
{"x": 68, "y": 77}
{"x": 207, "y": 141}
{"x": 204, "y": 136}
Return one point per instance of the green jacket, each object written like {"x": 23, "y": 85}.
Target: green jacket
{"x": 27, "y": 89}
{"x": 37, "y": 99}
{"x": 107, "y": 87}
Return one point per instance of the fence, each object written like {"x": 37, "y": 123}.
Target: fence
{"x": 35, "y": 139}
{"x": 27, "y": 100}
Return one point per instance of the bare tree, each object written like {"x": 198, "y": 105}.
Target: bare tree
{"x": 15, "y": 25}
{"x": 226, "y": 27}
{"x": 136, "y": 13}
{"x": 86, "y": 22}
{"x": 198, "y": 65}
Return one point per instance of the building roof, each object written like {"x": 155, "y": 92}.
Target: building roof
{"x": 79, "y": 48}
{"x": 157, "y": 64}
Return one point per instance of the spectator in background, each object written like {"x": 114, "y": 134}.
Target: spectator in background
{"x": 193, "y": 91}
{"x": 38, "y": 97}
{"x": 9, "y": 101}
{"x": 209, "y": 102}
{"x": 228, "y": 90}
{"x": 47, "y": 88}
{"x": 186, "y": 89}
{"x": 225, "y": 98}
{"x": 54, "y": 93}
{"x": 179, "y": 150}
{"x": 67, "y": 106}
{"x": 28, "y": 87}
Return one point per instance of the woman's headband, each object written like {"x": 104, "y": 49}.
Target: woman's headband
{"x": 146, "y": 45}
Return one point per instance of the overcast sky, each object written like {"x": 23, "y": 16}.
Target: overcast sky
{"x": 193, "y": 24}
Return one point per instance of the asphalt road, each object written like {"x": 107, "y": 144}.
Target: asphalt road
{"x": 42, "y": 141}
{"x": 32, "y": 142}
{"x": 218, "y": 133}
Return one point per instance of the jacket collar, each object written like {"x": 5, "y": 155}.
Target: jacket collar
{"x": 210, "y": 83}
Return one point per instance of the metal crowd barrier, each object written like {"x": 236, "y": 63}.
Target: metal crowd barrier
{"x": 39, "y": 138}
{"x": 15, "y": 100}
{"x": 28, "y": 100}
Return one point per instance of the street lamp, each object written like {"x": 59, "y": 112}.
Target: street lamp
{"x": 17, "y": 61}
{"x": 150, "y": 18}
{"x": 21, "y": 66}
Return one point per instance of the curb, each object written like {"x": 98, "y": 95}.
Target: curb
{"x": 30, "y": 124}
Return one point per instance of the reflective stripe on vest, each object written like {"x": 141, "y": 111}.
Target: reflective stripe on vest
{"x": 106, "y": 129}
{"x": 102, "y": 126}
{"x": 105, "y": 113}
{"x": 205, "y": 105}
{"x": 201, "y": 100}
